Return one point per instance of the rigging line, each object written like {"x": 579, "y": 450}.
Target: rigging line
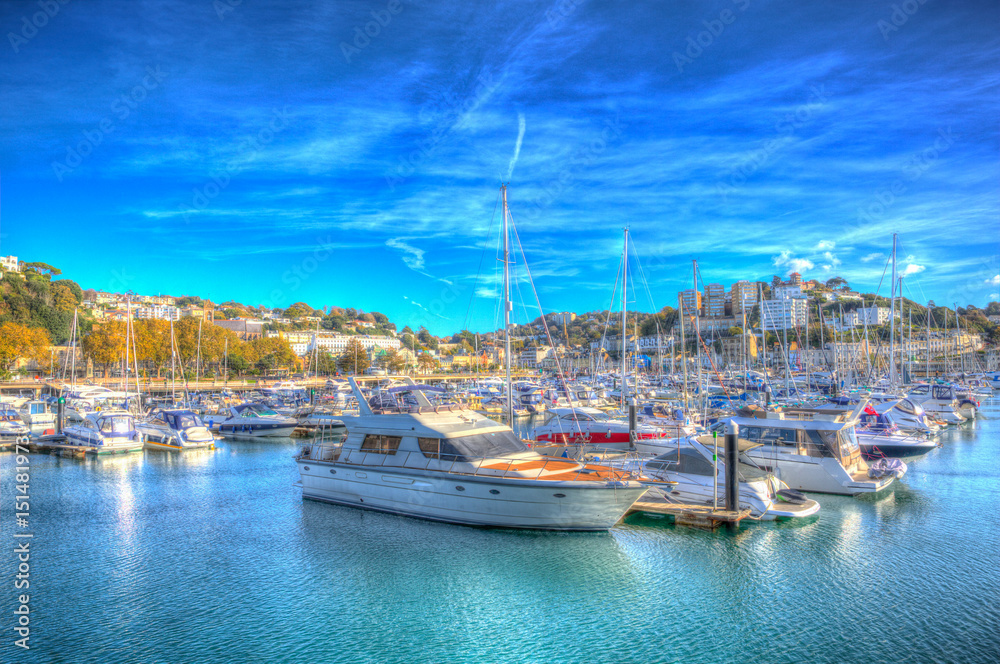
{"x": 562, "y": 376}
{"x": 899, "y": 245}
{"x": 482, "y": 257}
{"x": 642, "y": 276}
{"x": 611, "y": 307}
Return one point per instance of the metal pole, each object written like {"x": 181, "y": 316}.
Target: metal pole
{"x": 732, "y": 467}
{"x": 624, "y": 317}
{"x": 506, "y": 310}
{"x": 892, "y": 319}
{"x": 715, "y": 469}
{"x": 632, "y": 424}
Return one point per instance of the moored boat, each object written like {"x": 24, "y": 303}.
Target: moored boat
{"x": 448, "y": 463}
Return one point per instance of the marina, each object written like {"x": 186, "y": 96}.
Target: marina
{"x": 469, "y": 333}
{"x": 721, "y": 589}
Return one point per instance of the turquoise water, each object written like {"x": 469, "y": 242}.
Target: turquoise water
{"x": 213, "y": 557}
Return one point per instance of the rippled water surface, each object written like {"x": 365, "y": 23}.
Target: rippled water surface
{"x": 212, "y": 556}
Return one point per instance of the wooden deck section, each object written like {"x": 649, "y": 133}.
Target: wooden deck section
{"x": 698, "y": 516}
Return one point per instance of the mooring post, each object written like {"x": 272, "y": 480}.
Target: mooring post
{"x": 60, "y": 410}
{"x": 632, "y": 424}
{"x": 732, "y": 469}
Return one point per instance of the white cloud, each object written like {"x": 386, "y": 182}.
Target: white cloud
{"x": 995, "y": 281}
{"x": 826, "y": 244}
{"x": 785, "y": 261}
{"x": 413, "y": 257}
{"x": 871, "y": 257}
{"x": 517, "y": 146}
{"x": 832, "y": 261}
{"x": 912, "y": 268}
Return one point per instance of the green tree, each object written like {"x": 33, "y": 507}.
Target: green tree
{"x": 426, "y": 362}
{"x": 394, "y": 361}
{"x": 354, "y": 358}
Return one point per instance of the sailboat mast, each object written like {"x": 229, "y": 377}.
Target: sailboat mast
{"x": 892, "y": 319}
{"x": 927, "y": 346}
{"x": 506, "y": 310}
{"x": 697, "y": 323}
{"x": 197, "y": 366}
{"x": 684, "y": 362}
{"x": 624, "y": 316}
{"x": 173, "y": 367}
{"x": 75, "y": 342}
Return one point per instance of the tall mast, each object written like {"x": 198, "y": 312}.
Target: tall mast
{"x": 506, "y": 311}
{"x": 173, "y": 368}
{"x": 927, "y": 346}
{"x": 763, "y": 335}
{"x": 958, "y": 339}
{"x": 197, "y": 366}
{"x": 697, "y": 323}
{"x": 946, "y": 339}
{"x": 684, "y": 362}
{"x": 75, "y": 341}
{"x": 892, "y": 319}
{"x": 624, "y": 314}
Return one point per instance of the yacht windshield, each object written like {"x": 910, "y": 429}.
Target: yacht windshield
{"x": 185, "y": 421}
{"x": 120, "y": 424}
{"x": 467, "y": 448}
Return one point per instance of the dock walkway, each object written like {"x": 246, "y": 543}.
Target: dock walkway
{"x": 699, "y": 516}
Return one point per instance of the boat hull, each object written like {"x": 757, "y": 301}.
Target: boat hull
{"x": 481, "y": 501}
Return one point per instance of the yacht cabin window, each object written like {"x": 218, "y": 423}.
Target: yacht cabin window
{"x": 922, "y": 389}
{"x": 377, "y": 444}
{"x": 431, "y": 447}
{"x": 942, "y": 392}
{"x": 472, "y": 447}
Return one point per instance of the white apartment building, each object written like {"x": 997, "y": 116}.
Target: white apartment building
{"x": 335, "y": 344}
{"x": 10, "y": 263}
{"x": 789, "y": 292}
{"x": 783, "y": 314}
{"x": 159, "y": 312}
{"x": 870, "y": 316}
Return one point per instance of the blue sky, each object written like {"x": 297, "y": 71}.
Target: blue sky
{"x": 273, "y": 152}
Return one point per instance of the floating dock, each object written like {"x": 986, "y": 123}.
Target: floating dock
{"x": 698, "y": 516}
{"x": 56, "y": 445}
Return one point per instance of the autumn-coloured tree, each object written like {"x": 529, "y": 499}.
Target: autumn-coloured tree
{"x": 105, "y": 345}
{"x": 21, "y": 342}
{"x": 426, "y": 362}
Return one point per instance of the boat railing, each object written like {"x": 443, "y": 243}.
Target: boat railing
{"x": 568, "y": 470}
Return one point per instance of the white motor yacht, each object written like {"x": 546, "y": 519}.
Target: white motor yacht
{"x": 36, "y": 414}
{"x": 11, "y": 426}
{"x": 594, "y": 428}
{"x": 254, "y": 420}
{"x": 701, "y": 481}
{"x": 940, "y": 401}
{"x": 814, "y": 450}
{"x": 175, "y": 430}
{"x": 105, "y": 432}
{"x": 448, "y": 463}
